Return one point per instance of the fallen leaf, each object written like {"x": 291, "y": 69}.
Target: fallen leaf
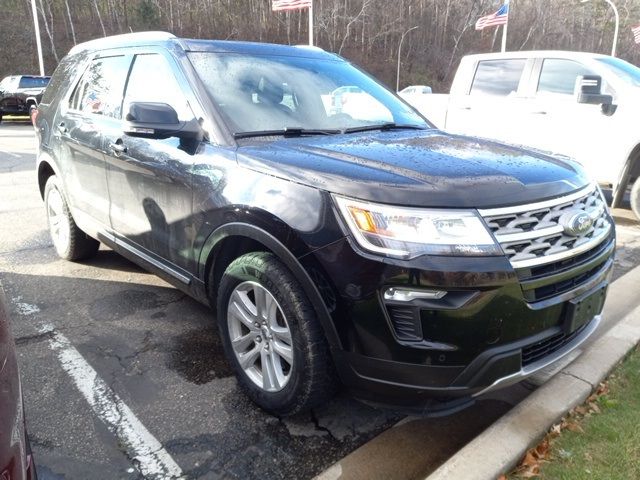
{"x": 574, "y": 427}
{"x": 529, "y": 460}
{"x": 581, "y": 410}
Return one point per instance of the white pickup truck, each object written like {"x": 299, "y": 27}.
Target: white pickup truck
{"x": 582, "y": 105}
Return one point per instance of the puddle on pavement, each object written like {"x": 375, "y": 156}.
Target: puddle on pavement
{"x": 198, "y": 356}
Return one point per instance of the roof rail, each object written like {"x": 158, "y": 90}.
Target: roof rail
{"x": 117, "y": 40}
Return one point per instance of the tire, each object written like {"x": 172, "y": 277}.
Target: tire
{"x": 307, "y": 379}
{"x": 635, "y": 198}
{"x": 70, "y": 242}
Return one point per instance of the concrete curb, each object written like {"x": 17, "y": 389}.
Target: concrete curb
{"x": 499, "y": 448}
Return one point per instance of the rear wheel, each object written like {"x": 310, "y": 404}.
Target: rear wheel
{"x": 635, "y": 198}
{"x": 272, "y": 337}
{"x": 70, "y": 242}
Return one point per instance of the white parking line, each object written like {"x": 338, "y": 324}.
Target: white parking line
{"x": 147, "y": 453}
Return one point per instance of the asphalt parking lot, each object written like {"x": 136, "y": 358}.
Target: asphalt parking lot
{"x": 156, "y": 352}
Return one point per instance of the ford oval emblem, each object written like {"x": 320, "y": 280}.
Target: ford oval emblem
{"x": 576, "y": 223}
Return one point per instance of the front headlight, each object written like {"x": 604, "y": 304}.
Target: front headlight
{"x": 409, "y": 232}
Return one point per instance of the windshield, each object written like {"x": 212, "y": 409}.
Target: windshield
{"x": 269, "y": 93}
{"x": 33, "y": 82}
{"x": 624, "y": 70}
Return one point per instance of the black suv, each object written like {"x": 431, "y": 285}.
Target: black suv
{"x": 359, "y": 244}
{"x": 19, "y": 93}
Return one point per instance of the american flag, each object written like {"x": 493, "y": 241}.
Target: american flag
{"x": 636, "y": 33}
{"x": 282, "y": 5}
{"x": 501, "y": 17}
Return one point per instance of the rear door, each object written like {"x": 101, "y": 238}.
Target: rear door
{"x": 490, "y": 103}
{"x": 94, "y": 106}
{"x": 150, "y": 180}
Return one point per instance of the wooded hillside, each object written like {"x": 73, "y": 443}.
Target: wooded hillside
{"x": 365, "y": 31}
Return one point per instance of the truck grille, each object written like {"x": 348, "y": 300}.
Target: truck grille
{"x": 548, "y": 260}
{"x": 531, "y": 235}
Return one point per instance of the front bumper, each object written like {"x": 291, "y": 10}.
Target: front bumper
{"x": 485, "y": 334}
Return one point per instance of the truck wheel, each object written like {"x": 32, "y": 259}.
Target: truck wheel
{"x": 70, "y": 242}
{"x": 271, "y": 336}
{"x": 635, "y": 198}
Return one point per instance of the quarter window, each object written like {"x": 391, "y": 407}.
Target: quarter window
{"x": 498, "y": 77}
{"x": 152, "y": 80}
{"x": 559, "y": 76}
{"x": 101, "y": 88}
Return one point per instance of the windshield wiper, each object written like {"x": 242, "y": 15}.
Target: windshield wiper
{"x": 382, "y": 126}
{"x": 287, "y": 132}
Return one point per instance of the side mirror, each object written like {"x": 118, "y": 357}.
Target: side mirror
{"x": 427, "y": 90}
{"x": 158, "y": 120}
{"x": 588, "y": 90}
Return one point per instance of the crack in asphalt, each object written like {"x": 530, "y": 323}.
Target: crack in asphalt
{"x": 28, "y": 249}
{"x": 321, "y": 428}
{"x": 35, "y": 338}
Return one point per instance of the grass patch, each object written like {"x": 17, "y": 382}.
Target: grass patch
{"x": 599, "y": 440}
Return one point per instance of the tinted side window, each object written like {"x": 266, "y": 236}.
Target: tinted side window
{"x": 33, "y": 82}
{"x": 559, "y": 76}
{"x": 498, "y": 77}
{"x": 152, "y": 80}
{"x": 101, "y": 88}
{"x": 60, "y": 77}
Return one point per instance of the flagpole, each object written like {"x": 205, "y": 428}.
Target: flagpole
{"x": 311, "y": 23}
{"x": 505, "y": 27}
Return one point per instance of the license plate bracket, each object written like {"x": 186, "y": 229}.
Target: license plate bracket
{"x": 582, "y": 309}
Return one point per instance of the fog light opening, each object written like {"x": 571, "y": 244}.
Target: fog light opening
{"x": 405, "y": 295}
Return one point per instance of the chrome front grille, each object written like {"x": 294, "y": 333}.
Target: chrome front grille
{"x": 532, "y": 235}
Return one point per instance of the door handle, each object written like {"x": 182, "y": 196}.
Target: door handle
{"x": 117, "y": 147}
{"x": 62, "y": 128}
{"x": 542, "y": 112}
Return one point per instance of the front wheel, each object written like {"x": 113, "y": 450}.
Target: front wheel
{"x": 272, "y": 337}
{"x": 70, "y": 242}
{"x": 635, "y": 198}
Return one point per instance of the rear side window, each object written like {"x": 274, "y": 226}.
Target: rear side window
{"x": 101, "y": 88}
{"x": 60, "y": 77}
{"x": 498, "y": 77}
{"x": 559, "y": 76}
{"x": 33, "y": 82}
{"x": 152, "y": 80}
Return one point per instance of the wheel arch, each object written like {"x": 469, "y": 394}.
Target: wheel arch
{"x": 630, "y": 171}
{"x": 46, "y": 169}
{"x": 232, "y": 240}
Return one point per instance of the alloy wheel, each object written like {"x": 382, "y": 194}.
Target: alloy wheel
{"x": 260, "y": 336}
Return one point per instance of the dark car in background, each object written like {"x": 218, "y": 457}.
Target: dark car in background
{"x": 16, "y": 462}
{"x": 359, "y": 244}
{"x": 19, "y": 93}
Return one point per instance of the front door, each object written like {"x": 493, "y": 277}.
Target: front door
{"x": 556, "y": 122}
{"x": 150, "y": 180}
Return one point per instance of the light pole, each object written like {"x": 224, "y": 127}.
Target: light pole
{"x": 399, "y": 56}
{"x": 36, "y": 27}
{"x": 617, "y": 30}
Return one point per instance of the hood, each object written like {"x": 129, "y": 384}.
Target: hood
{"x": 416, "y": 168}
